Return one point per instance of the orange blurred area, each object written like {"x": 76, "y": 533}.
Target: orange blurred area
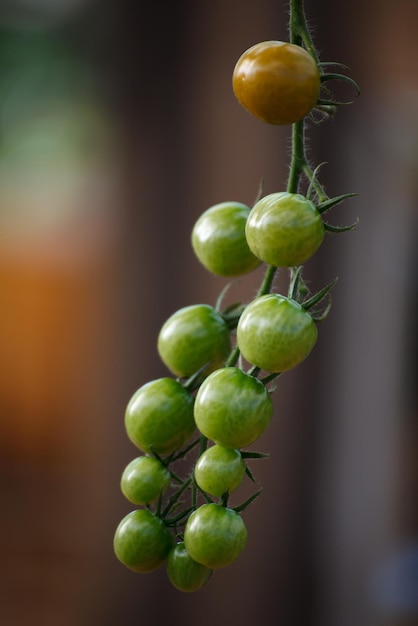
{"x": 118, "y": 128}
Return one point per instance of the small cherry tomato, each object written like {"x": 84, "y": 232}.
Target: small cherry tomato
{"x": 232, "y": 408}
{"x": 215, "y": 536}
{"x": 284, "y": 229}
{"x": 275, "y": 333}
{"x": 276, "y": 81}
{"x": 192, "y": 337}
{"x": 219, "y": 470}
{"x": 142, "y": 541}
{"x": 159, "y": 416}
{"x": 185, "y": 573}
{"x": 144, "y": 479}
{"x": 218, "y": 240}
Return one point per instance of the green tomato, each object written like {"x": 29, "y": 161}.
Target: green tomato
{"x": 142, "y": 541}
{"x": 144, "y": 479}
{"x": 215, "y": 536}
{"x": 284, "y": 229}
{"x": 192, "y": 337}
{"x": 275, "y": 333}
{"x": 185, "y": 573}
{"x": 219, "y": 242}
{"x": 232, "y": 408}
{"x": 159, "y": 416}
{"x": 219, "y": 470}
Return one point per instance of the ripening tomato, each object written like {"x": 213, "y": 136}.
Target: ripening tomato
{"x": 275, "y": 333}
{"x": 185, "y": 573}
{"x": 219, "y": 470}
{"x": 276, "y": 81}
{"x": 215, "y": 536}
{"x": 144, "y": 479}
{"x": 219, "y": 242}
{"x": 193, "y": 337}
{"x": 159, "y": 416}
{"x": 284, "y": 229}
{"x": 142, "y": 541}
{"x": 232, "y": 408}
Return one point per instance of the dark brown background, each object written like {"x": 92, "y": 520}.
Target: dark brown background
{"x": 95, "y": 254}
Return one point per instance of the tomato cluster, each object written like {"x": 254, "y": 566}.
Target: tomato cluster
{"x": 216, "y": 402}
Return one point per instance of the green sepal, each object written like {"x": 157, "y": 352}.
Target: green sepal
{"x": 243, "y": 506}
{"x": 232, "y": 314}
{"x": 341, "y": 77}
{"x": 249, "y": 474}
{"x": 221, "y": 296}
{"x": 260, "y": 191}
{"x": 339, "y": 229}
{"x": 322, "y": 207}
{"x": 298, "y": 289}
{"x": 323, "y": 316}
{"x": 311, "y": 302}
{"x": 247, "y": 454}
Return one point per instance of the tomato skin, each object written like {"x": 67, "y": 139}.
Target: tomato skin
{"x": 275, "y": 333}
{"x": 232, "y": 408}
{"x": 284, "y": 229}
{"x": 142, "y": 541}
{"x": 276, "y": 81}
{"x": 219, "y": 470}
{"x": 215, "y": 536}
{"x": 219, "y": 242}
{"x": 159, "y": 416}
{"x": 144, "y": 479}
{"x": 192, "y": 337}
{"x": 184, "y": 573}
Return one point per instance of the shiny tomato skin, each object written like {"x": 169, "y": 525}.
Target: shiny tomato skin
{"x": 232, "y": 408}
{"x": 219, "y": 242}
{"x": 275, "y": 333}
{"x": 142, "y": 541}
{"x": 278, "y": 82}
{"x": 219, "y": 470}
{"x": 144, "y": 479}
{"x": 183, "y": 572}
{"x": 215, "y": 536}
{"x": 192, "y": 337}
{"x": 159, "y": 416}
{"x": 284, "y": 229}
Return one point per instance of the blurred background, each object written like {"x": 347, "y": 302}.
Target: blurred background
{"x": 118, "y": 128}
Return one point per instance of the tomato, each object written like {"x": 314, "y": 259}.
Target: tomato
{"x": 185, "y": 573}
{"x": 275, "y": 333}
{"x": 276, "y": 81}
{"x": 219, "y": 470}
{"x": 232, "y": 408}
{"x": 159, "y": 416}
{"x": 142, "y": 541}
{"x": 192, "y": 337}
{"x": 215, "y": 536}
{"x": 284, "y": 229}
{"x": 219, "y": 242}
{"x": 144, "y": 479}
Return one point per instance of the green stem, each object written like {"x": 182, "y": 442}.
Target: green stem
{"x": 174, "y": 498}
{"x": 233, "y": 357}
{"x": 298, "y": 29}
{"x": 298, "y": 160}
{"x": 267, "y": 283}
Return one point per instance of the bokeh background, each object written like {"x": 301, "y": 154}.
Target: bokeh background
{"x": 118, "y": 128}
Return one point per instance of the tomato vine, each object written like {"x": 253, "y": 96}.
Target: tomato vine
{"x": 218, "y": 401}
